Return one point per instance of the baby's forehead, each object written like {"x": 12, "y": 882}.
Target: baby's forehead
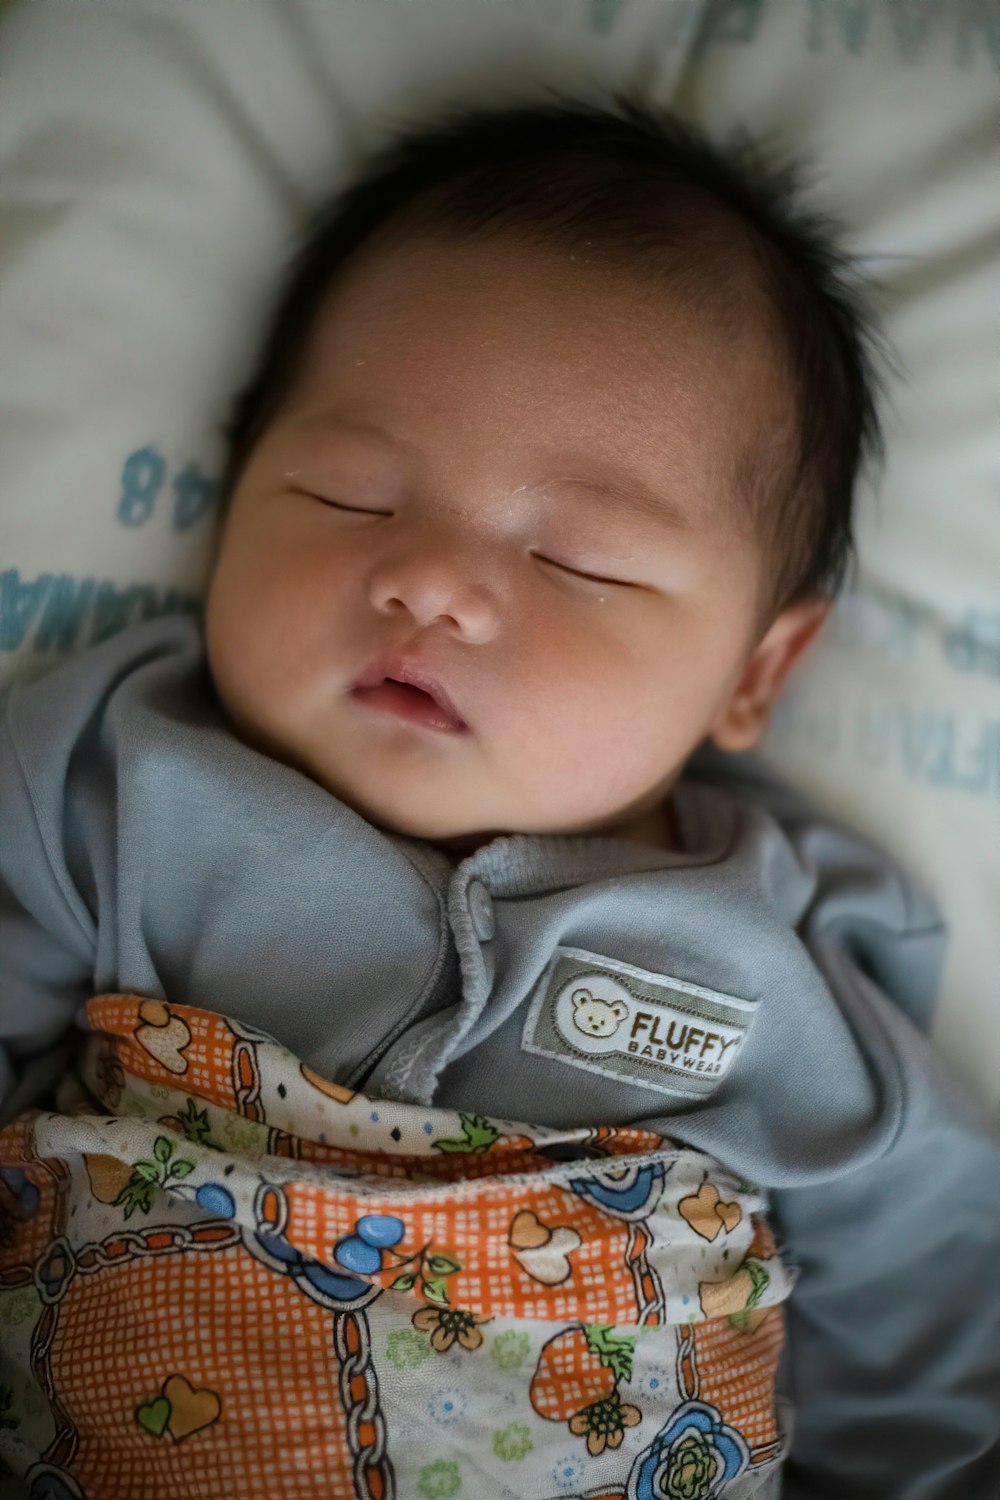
{"x": 502, "y": 311}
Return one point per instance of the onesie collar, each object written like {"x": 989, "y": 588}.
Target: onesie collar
{"x": 705, "y": 818}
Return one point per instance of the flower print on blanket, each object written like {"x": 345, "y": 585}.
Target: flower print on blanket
{"x": 216, "y": 1263}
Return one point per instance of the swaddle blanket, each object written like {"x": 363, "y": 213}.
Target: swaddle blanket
{"x": 221, "y": 1275}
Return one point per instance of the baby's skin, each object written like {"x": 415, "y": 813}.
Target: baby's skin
{"x": 511, "y": 467}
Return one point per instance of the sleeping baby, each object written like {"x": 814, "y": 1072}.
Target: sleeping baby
{"x": 432, "y": 1064}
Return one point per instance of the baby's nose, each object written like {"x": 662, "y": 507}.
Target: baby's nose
{"x": 433, "y": 586}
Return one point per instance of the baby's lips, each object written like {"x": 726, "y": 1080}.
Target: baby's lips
{"x": 412, "y": 673}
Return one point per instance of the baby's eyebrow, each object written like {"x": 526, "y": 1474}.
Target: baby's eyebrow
{"x": 331, "y": 421}
{"x": 633, "y": 494}
{"x": 630, "y": 493}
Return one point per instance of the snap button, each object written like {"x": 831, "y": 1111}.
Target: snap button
{"x": 481, "y": 909}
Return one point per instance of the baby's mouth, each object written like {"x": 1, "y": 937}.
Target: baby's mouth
{"x": 410, "y": 702}
{"x": 401, "y": 684}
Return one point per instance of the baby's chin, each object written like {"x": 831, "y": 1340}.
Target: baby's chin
{"x": 454, "y": 846}
{"x": 408, "y": 818}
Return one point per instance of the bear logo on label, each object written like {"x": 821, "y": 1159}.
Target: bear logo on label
{"x": 596, "y": 1017}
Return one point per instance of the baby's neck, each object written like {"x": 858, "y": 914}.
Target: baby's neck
{"x": 656, "y": 827}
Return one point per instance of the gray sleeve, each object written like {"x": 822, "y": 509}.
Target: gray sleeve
{"x": 893, "y": 1330}
{"x": 892, "y": 1362}
{"x": 893, "y": 1354}
{"x": 46, "y": 931}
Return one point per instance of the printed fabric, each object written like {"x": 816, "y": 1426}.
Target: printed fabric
{"x": 222, "y": 1274}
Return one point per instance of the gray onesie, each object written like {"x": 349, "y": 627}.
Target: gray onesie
{"x": 781, "y": 974}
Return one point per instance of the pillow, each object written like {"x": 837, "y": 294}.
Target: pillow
{"x": 159, "y": 161}
{"x": 894, "y": 721}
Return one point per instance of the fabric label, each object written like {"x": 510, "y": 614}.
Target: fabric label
{"x": 648, "y": 1029}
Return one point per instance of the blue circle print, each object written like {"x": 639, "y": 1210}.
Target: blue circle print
{"x": 380, "y": 1230}
{"x": 217, "y": 1199}
{"x": 343, "y": 1288}
{"x": 354, "y": 1255}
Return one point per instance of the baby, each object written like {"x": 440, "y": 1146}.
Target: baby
{"x": 417, "y": 866}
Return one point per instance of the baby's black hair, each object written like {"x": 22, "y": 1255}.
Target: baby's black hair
{"x": 638, "y": 188}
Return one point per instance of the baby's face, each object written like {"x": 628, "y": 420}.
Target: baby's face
{"x": 509, "y": 465}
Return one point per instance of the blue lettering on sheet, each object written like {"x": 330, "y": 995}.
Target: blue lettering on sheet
{"x": 959, "y": 753}
{"x": 735, "y": 20}
{"x": 19, "y": 604}
{"x": 195, "y": 496}
{"x": 974, "y": 645}
{"x": 912, "y": 24}
{"x": 66, "y": 603}
{"x": 55, "y": 612}
{"x": 675, "y": 20}
{"x": 142, "y": 478}
{"x": 978, "y": 23}
{"x": 851, "y": 18}
{"x": 893, "y": 627}
{"x": 852, "y": 24}
{"x": 931, "y": 746}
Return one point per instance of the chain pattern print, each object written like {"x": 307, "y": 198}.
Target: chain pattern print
{"x": 222, "y": 1274}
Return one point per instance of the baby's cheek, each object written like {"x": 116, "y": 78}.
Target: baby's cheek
{"x": 239, "y": 640}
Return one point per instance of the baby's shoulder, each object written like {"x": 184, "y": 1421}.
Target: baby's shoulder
{"x": 48, "y": 718}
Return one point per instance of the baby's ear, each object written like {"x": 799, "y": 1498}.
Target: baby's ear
{"x": 768, "y": 667}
